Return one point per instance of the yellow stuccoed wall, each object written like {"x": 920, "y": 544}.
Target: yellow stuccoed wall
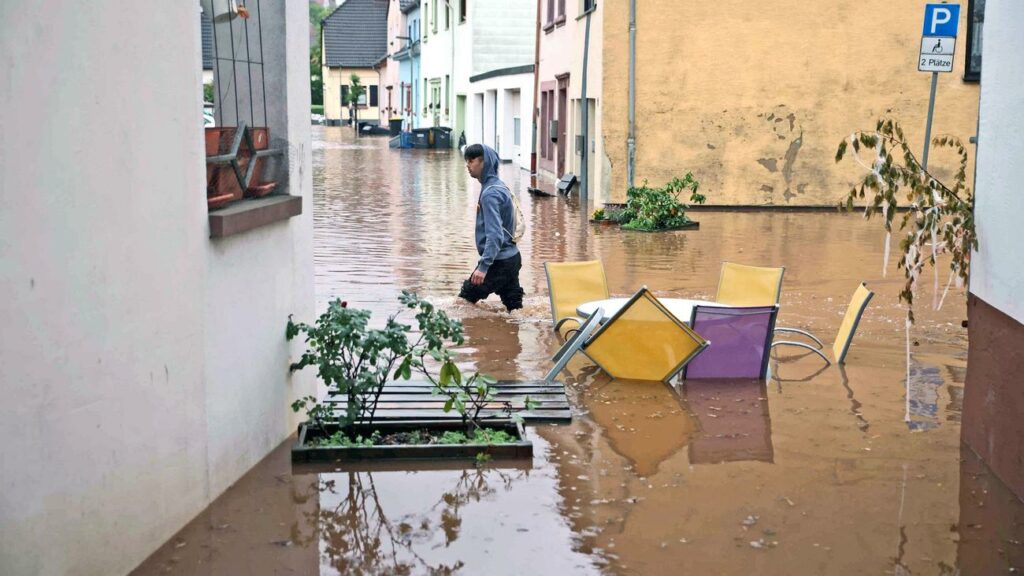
{"x": 334, "y": 78}
{"x": 753, "y": 98}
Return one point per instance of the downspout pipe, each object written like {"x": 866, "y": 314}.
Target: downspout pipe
{"x": 535, "y": 112}
{"x": 585, "y": 118}
{"x": 631, "y": 137}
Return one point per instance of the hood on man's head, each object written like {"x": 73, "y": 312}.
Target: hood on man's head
{"x": 491, "y": 162}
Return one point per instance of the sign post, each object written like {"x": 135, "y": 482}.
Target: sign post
{"x": 938, "y": 42}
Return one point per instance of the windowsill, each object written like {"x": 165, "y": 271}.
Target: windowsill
{"x": 586, "y": 13}
{"x": 246, "y": 215}
{"x": 548, "y": 27}
{"x": 560, "y": 21}
{"x": 972, "y": 78}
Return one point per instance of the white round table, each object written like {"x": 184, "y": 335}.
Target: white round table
{"x": 681, "y": 308}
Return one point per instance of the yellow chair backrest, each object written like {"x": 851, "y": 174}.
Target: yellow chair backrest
{"x": 643, "y": 341}
{"x": 741, "y": 285}
{"x": 573, "y": 283}
{"x": 849, "y": 325}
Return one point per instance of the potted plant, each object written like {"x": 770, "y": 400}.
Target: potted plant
{"x": 356, "y": 363}
{"x": 650, "y": 209}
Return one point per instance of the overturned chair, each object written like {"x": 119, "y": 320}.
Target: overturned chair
{"x": 642, "y": 341}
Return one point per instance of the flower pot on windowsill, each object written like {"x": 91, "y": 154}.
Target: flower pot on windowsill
{"x": 307, "y": 450}
{"x": 222, "y": 186}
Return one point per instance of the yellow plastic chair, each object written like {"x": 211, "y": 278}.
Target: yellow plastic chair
{"x": 847, "y": 328}
{"x": 742, "y": 285}
{"x": 571, "y": 284}
{"x": 644, "y": 341}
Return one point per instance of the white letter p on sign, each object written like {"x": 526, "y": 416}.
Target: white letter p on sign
{"x": 941, "y": 16}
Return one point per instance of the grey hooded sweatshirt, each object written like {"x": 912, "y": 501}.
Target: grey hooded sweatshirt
{"x": 495, "y": 216}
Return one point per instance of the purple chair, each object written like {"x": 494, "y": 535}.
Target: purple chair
{"x": 740, "y": 341}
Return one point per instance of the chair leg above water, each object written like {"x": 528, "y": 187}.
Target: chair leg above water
{"x": 802, "y": 345}
{"x": 802, "y": 333}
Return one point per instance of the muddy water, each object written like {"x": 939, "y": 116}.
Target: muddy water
{"x": 817, "y": 471}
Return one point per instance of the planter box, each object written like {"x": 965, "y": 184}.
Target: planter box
{"x": 690, "y": 226}
{"x": 222, "y": 185}
{"x": 302, "y": 452}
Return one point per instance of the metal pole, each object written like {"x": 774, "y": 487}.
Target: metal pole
{"x": 631, "y": 138}
{"x": 534, "y": 112}
{"x": 928, "y": 125}
{"x": 585, "y": 117}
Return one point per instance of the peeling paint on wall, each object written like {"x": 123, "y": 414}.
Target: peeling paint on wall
{"x": 743, "y": 110}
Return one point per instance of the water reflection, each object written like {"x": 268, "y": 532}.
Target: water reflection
{"x": 358, "y": 535}
{"x": 735, "y": 424}
{"x": 642, "y": 421}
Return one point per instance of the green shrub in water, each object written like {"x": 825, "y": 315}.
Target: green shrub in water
{"x": 652, "y": 209}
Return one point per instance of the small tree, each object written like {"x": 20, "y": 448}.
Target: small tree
{"x": 356, "y": 362}
{"x": 355, "y": 92}
{"x": 941, "y": 216}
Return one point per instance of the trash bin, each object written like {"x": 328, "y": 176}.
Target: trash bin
{"x": 442, "y": 137}
{"x": 395, "y": 125}
{"x": 420, "y": 138}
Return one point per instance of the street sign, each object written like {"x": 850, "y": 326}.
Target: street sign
{"x": 938, "y": 37}
{"x": 941, "y": 19}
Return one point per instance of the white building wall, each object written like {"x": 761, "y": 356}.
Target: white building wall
{"x": 143, "y": 366}
{"x": 502, "y": 90}
{"x": 997, "y": 268}
{"x": 503, "y": 34}
{"x": 437, "y": 60}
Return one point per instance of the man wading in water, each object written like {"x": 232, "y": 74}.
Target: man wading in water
{"x": 497, "y": 271}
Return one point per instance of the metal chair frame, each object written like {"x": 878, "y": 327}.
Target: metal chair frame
{"x": 846, "y": 346}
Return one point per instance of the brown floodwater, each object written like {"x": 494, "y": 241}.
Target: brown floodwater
{"x": 839, "y": 470}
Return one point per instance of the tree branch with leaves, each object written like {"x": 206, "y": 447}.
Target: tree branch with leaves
{"x": 940, "y": 216}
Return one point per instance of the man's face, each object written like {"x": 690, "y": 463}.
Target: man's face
{"x": 475, "y": 166}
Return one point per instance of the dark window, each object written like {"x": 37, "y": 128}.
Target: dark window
{"x": 462, "y": 10}
{"x": 588, "y": 5}
{"x": 373, "y": 96}
{"x": 975, "y": 23}
{"x": 344, "y": 95}
{"x": 551, "y": 11}
{"x": 561, "y": 10}
{"x": 447, "y": 16}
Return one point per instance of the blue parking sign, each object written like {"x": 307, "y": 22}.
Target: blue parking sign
{"x": 941, "y": 19}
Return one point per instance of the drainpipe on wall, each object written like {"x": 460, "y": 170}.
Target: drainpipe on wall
{"x": 631, "y": 138}
{"x": 452, "y": 24}
{"x": 585, "y": 117}
{"x": 380, "y": 108}
{"x": 535, "y": 111}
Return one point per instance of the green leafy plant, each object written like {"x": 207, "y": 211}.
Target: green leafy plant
{"x": 355, "y": 92}
{"x": 940, "y": 218}
{"x": 356, "y": 362}
{"x": 652, "y": 209}
{"x": 599, "y": 214}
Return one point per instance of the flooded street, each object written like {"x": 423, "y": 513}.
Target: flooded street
{"x": 834, "y": 470}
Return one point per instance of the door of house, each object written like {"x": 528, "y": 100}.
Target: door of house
{"x": 563, "y": 120}
{"x": 435, "y": 100}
